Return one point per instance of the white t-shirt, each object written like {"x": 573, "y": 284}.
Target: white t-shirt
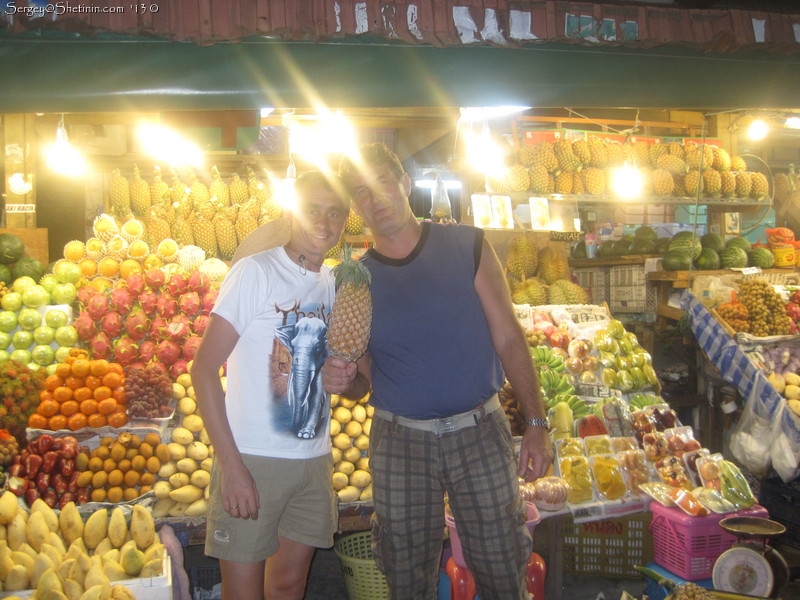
{"x": 274, "y": 383}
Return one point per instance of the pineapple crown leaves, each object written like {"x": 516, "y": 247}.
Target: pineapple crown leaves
{"x": 351, "y": 270}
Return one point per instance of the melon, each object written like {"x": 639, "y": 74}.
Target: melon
{"x": 739, "y": 242}
{"x": 28, "y": 266}
{"x": 12, "y": 248}
{"x": 761, "y": 258}
{"x": 713, "y": 241}
{"x": 687, "y": 245}
{"x": 708, "y": 260}
{"x": 646, "y": 233}
{"x": 733, "y": 257}
{"x": 676, "y": 261}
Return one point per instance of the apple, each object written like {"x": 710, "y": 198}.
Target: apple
{"x": 22, "y": 339}
{"x": 574, "y": 365}
{"x": 55, "y": 318}
{"x": 43, "y": 355}
{"x": 62, "y": 352}
{"x": 578, "y": 348}
{"x": 35, "y": 296}
{"x": 66, "y": 335}
{"x": 23, "y": 283}
{"x": 29, "y": 318}
{"x": 559, "y": 339}
{"x": 590, "y": 363}
{"x": 540, "y": 316}
{"x": 545, "y": 327}
{"x": 8, "y": 320}
{"x": 44, "y": 334}
{"x": 64, "y": 293}
{"x": 48, "y": 282}
{"x": 12, "y": 301}
{"x": 21, "y": 355}
{"x": 67, "y": 272}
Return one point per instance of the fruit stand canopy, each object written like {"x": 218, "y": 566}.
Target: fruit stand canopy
{"x": 61, "y": 73}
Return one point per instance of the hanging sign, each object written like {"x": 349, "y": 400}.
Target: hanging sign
{"x": 20, "y": 208}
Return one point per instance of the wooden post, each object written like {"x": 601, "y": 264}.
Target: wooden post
{"x": 20, "y": 157}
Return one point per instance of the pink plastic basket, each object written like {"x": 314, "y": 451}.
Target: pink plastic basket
{"x": 689, "y": 546}
{"x": 533, "y": 518}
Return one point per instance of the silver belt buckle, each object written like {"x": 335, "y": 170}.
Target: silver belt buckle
{"x": 445, "y": 425}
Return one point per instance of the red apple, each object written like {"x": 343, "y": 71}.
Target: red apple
{"x": 559, "y": 339}
{"x": 578, "y": 348}
{"x": 574, "y": 365}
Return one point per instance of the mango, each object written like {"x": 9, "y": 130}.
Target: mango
{"x": 73, "y": 589}
{"x": 70, "y": 523}
{"x": 114, "y": 571}
{"x": 96, "y": 528}
{"x": 50, "y": 516}
{"x": 17, "y": 579}
{"x": 143, "y": 529}
{"x": 37, "y": 530}
{"x": 186, "y": 494}
{"x": 132, "y": 561}
{"x": 117, "y": 527}
{"x": 46, "y": 580}
{"x": 9, "y": 505}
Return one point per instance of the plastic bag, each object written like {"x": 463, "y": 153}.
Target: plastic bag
{"x": 751, "y": 439}
{"x": 713, "y": 290}
{"x": 440, "y": 202}
{"x": 785, "y": 449}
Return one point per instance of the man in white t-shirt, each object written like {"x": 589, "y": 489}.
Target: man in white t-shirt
{"x": 271, "y": 501}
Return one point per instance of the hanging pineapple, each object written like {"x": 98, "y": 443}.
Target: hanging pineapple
{"x": 140, "y": 193}
{"x": 351, "y": 315}
{"x": 120, "y": 193}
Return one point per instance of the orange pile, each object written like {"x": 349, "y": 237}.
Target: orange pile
{"x": 82, "y": 392}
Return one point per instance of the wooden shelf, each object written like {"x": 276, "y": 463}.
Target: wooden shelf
{"x": 629, "y": 259}
{"x": 670, "y": 312}
{"x": 732, "y": 204}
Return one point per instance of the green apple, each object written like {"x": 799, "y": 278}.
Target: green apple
{"x": 8, "y": 320}
{"x": 22, "y": 339}
{"x": 44, "y": 334}
{"x": 21, "y": 355}
{"x": 66, "y": 335}
{"x": 55, "y": 318}
{"x": 29, "y": 318}
{"x": 43, "y": 354}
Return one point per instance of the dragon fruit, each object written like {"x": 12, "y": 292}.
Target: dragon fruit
{"x": 155, "y": 279}
{"x": 189, "y": 304}
{"x": 178, "y": 368}
{"x": 126, "y": 351}
{"x": 147, "y": 350}
{"x": 166, "y": 306}
{"x": 149, "y": 302}
{"x": 100, "y": 345}
{"x": 178, "y": 328}
{"x": 84, "y": 325}
{"x": 137, "y": 324}
{"x": 200, "y": 323}
{"x": 189, "y": 347}
{"x": 121, "y": 300}
{"x": 135, "y": 283}
{"x": 209, "y": 298}
{"x": 111, "y": 324}
{"x": 156, "y": 369}
{"x": 177, "y": 284}
{"x": 167, "y": 352}
{"x": 158, "y": 328}
{"x": 199, "y": 282}
{"x": 84, "y": 293}
{"x": 97, "y": 306}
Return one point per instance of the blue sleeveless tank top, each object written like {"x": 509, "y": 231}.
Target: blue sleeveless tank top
{"x": 432, "y": 353}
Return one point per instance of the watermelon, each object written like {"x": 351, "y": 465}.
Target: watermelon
{"x": 606, "y": 249}
{"x": 761, "y": 258}
{"x": 646, "y": 233}
{"x": 684, "y": 235}
{"x": 661, "y": 245}
{"x": 676, "y": 261}
{"x": 579, "y": 250}
{"x": 11, "y": 248}
{"x": 733, "y": 257}
{"x": 688, "y": 245}
{"x": 641, "y": 246}
{"x": 739, "y": 242}
{"x": 621, "y": 247}
{"x": 713, "y": 241}
{"x": 5, "y": 275}
{"x": 708, "y": 260}
{"x": 28, "y": 266}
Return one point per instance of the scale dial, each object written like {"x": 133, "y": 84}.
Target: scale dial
{"x": 743, "y": 570}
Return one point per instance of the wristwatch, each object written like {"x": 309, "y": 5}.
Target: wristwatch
{"x": 537, "y": 423}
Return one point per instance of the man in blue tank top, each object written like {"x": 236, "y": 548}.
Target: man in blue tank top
{"x": 444, "y": 335}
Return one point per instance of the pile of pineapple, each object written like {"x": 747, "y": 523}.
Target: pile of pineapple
{"x": 584, "y": 166}
{"x": 538, "y": 276}
{"x": 215, "y": 217}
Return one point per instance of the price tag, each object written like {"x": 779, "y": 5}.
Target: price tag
{"x": 20, "y": 208}
{"x": 751, "y": 271}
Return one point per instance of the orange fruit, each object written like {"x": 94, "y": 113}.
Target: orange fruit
{"x": 69, "y": 407}
{"x": 98, "y": 367}
{"x": 92, "y": 381}
{"x": 102, "y": 392}
{"x": 106, "y": 406}
{"x": 88, "y": 405}
{"x": 57, "y": 422}
{"x": 119, "y": 394}
{"x": 81, "y": 394}
{"x": 88, "y": 267}
{"x": 73, "y": 382}
{"x": 80, "y": 368}
{"x": 108, "y": 267}
{"x": 101, "y": 284}
{"x": 48, "y": 408}
{"x": 63, "y": 370}
{"x": 112, "y": 380}
{"x": 115, "y": 494}
{"x": 37, "y": 421}
{"x": 129, "y": 266}
{"x": 77, "y": 421}
{"x": 74, "y": 250}
{"x": 117, "y": 419}
{"x": 96, "y": 420}
{"x": 53, "y": 381}
{"x": 62, "y": 393}
{"x": 115, "y": 368}
{"x": 99, "y": 495}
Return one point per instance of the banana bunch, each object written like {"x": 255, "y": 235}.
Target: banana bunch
{"x": 733, "y": 486}
{"x": 546, "y": 360}
{"x": 640, "y": 400}
{"x": 576, "y": 403}
{"x": 554, "y": 383}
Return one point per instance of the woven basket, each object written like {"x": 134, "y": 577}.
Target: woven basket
{"x": 362, "y": 579}
{"x": 270, "y": 235}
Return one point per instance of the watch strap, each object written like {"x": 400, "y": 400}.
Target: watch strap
{"x": 537, "y": 423}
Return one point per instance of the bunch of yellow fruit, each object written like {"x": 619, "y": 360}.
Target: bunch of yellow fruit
{"x": 351, "y": 422}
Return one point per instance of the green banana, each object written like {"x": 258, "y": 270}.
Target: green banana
{"x": 734, "y": 486}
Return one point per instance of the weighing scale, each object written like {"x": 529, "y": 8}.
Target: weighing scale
{"x": 750, "y": 566}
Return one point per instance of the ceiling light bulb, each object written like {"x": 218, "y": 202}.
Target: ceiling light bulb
{"x": 19, "y": 184}
{"x": 757, "y": 130}
{"x": 626, "y": 181}
{"x": 792, "y": 122}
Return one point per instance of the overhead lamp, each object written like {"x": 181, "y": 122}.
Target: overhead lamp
{"x": 286, "y": 194}
{"x": 168, "y": 146}
{"x": 62, "y": 157}
{"x": 792, "y": 122}
{"x": 475, "y": 114}
{"x": 626, "y": 181}
{"x": 317, "y": 138}
{"x": 757, "y": 130}
{"x": 484, "y": 155}
{"x": 19, "y": 184}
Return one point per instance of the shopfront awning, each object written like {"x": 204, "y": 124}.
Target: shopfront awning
{"x": 43, "y": 74}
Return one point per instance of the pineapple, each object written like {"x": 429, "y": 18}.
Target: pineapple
{"x": 641, "y": 151}
{"x": 354, "y": 224}
{"x": 738, "y": 164}
{"x": 245, "y": 224}
{"x": 594, "y": 180}
{"x": 693, "y": 183}
{"x": 498, "y": 185}
{"x": 700, "y": 157}
{"x": 177, "y": 189}
{"x": 580, "y": 148}
{"x": 648, "y": 181}
{"x": 539, "y": 179}
{"x": 335, "y": 254}
{"x": 656, "y": 151}
{"x": 205, "y": 237}
{"x": 567, "y": 160}
{"x": 616, "y": 154}
{"x": 727, "y": 183}
{"x": 140, "y": 193}
{"x": 182, "y": 232}
{"x": 518, "y": 178}
{"x": 351, "y": 315}
{"x": 760, "y": 187}
{"x": 120, "y": 193}
{"x": 597, "y": 151}
{"x": 564, "y": 182}
{"x": 672, "y": 163}
{"x": 676, "y": 149}
{"x": 157, "y": 229}
{"x": 272, "y": 210}
{"x": 663, "y": 184}
{"x": 219, "y": 189}
{"x": 259, "y": 190}
{"x": 226, "y": 235}
{"x": 712, "y": 182}
{"x": 526, "y": 155}
{"x": 159, "y": 189}
{"x": 198, "y": 192}
{"x": 744, "y": 184}
{"x": 238, "y": 190}
{"x": 722, "y": 160}
{"x": 542, "y": 154}
{"x": 577, "y": 184}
